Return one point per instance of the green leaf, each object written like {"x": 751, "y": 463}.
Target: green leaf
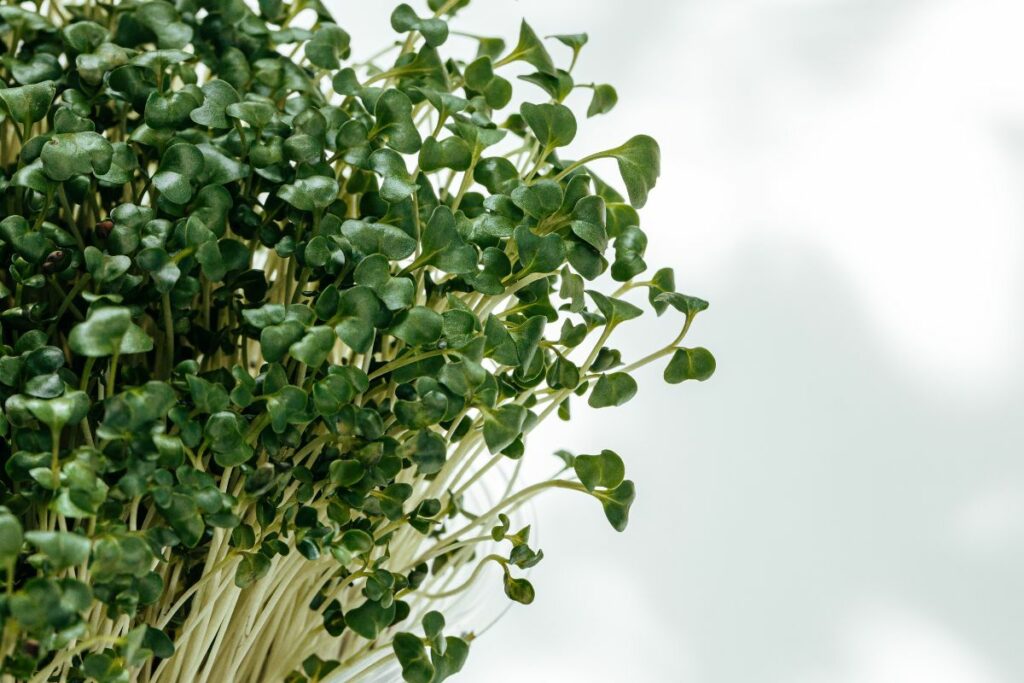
{"x": 639, "y": 162}
{"x": 503, "y": 426}
{"x": 257, "y": 114}
{"x": 310, "y": 194}
{"x": 105, "y": 268}
{"x": 416, "y": 665}
{"x": 275, "y": 340}
{"x": 108, "y": 330}
{"x": 30, "y": 245}
{"x": 207, "y": 396}
{"x": 62, "y": 549}
{"x": 395, "y": 126}
{"x": 630, "y": 246}
{"x": 553, "y": 124}
{"x": 614, "y": 310}
{"x": 179, "y": 170}
{"x": 398, "y": 184}
{"x": 329, "y": 44}
{"x": 497, "y": 174}
{"x": 163, "y": 269}
{"x": 428, "y": 452}
{"x": 158, "y": 642}
{"x": 130, "y": 83}
{"x": 66, "y": 155}
{"x": 356, "y": 541}
{"x": 616, "y": 504}
{"x": 686, "y": 364}
{"x": 123, "y": 165}
{"x": 11, "y": 537}
{"x": 605, "y": 469}
{"x": 84, "y": 36}
{"x": 558, "y": 87}
{"x": 314, "y": 347}
{"x": 450, "y": 662}
{"x": 530, "y": 49}
{"x": 218, "y": 95}
{"x": 603, "y": 101}
{"x": 171, "y": 109}
{"x": 433, "y": 624}
{"x": 27, "y": 104}
{"x": 443, "y": 247}
{"x": 612, "y": 390}
{"x": 575, "y": 41}
{"x": 287, "y": 406}
{"x": 419, "y": 326}
{"x": 434, "y": 31}
{"x": 70, "y": 408}
{"x": 518, "y": 590}
{"x": 33, "y": 177}
{"x": 252, "y": 568}
{"x": 370, "y": 618}
{"x": 163, "y": 20}
{"x": 452, "y": 152}
{"x": 225, "y": 433}
{"x": 379, "y": 238}
{"x": 689, "y": 306}
{"x": 664, "y": 280}
{"x": 392, "y": 500}
{"x": 540, "y": 200}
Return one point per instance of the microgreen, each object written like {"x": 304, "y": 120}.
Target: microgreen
{"x": 274, "y": 314}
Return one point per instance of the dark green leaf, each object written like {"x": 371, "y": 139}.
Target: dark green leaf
{"x": 612, "y": 390}
{"x": 530, "y": 49}
{"x": 604, "y": 100}
{"x": 552, "y": 124}
{"x": 605, "y": 469}
{"x": 616, "y": 504}
{"x": 27, "y": 104}
{"x": 686, "y": 364}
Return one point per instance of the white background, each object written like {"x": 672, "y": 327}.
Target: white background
{"x": 844, "y": 501}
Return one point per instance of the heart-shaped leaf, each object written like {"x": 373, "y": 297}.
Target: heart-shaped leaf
{"x": 612, "y": 390}
{"x": 553, "y": 124}
{"x": 605, "y": 470}
{"x": 180, "y": 168}
{"x": 404, "y": 19}
{"x": 27, "y": 104}
{"x": 218, "y": 95}
{"x": 686, "y": 364}
{"x": 66, "y": 155}
{"x": 106, "y": 331}
{"x": 310, "y": 194}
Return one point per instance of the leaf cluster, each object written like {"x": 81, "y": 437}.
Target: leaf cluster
{"x": 270, "y": 314}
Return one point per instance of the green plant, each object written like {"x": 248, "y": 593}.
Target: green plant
{"x": 254, "y": 368}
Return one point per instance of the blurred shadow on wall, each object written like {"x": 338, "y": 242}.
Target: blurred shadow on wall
{"x": 808, "y": 483}
{"x": 833, "y": 480}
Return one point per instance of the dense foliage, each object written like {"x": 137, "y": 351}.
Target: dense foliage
{"x": 255, "y": 371}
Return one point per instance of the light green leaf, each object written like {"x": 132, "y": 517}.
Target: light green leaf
{"x": 107, "y": 330}
{"x": 310, "y": 194}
